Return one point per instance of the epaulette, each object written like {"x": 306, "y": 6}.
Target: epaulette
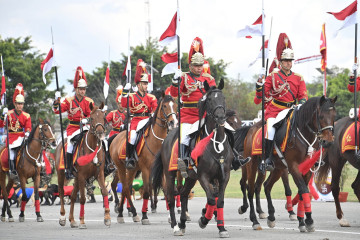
{"x": 274, "y": 72}
{"x": 11, "y": 111}
{"x": 301, "y": 77}
{"x": 26, "y": 114}
{"x": 69, "y": 99}
{"x": 207, "y": 75}
{"x": 151, "y": 95}
{"x": 89, "y": 99}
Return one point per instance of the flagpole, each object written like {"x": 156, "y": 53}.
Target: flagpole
{"x": 106, "y": 99}
{"x": 179, "y": 82}
{"x": 355, "y": 90}
{"x": 268, "y": 49}
{"x": 6, "y": 118}
{"x": 58, "y": 89}
{"x": 128, "y": 80}
{"x": 262, "y": 91}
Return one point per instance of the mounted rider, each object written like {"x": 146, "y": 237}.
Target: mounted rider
{"x": 285, "y": 87}
{"x": 78, "y": 109}
{"x": 19, "y": 127}
{"x": 192, "y": 90}
{"x": 351, "y": 88}
{"x": 117, "y": 117}
{"x": 141, "y": 106}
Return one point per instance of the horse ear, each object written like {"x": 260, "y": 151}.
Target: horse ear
{"x": 162, "y": 93}
{"x": 91, "y": 106}
{"x": 221, "y": 84}
{"x": 206, "y": 86}
{"x": 41, "y": 121}
{"x": 333, "y": 100}
{"x": 101, "y": 105}
{"x": 322, "y": 100}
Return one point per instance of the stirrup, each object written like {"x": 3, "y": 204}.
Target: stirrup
{"x": 269, "y": 165}
{"x": 244, "y": 161}
{"x": 357, "y": 155}
{"x": 130, "y": 163}
{"x": 182, "y": 168}
{"x": 14, "y": 176}
{"x": 69, "y": 175}
{"x": 262, "y": 168}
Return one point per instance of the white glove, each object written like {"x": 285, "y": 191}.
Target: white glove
{"x": 127, "y": 86}
{"x": 27, "y": 134}
{"x": 355, "y": 66}
{"x": 105, "y": 108}
{"x": 262, "y": 73}
{"x": 5, "y": 110}
{"x": 57, "y": 95}
{"x": 177, "y": 73}
{"x": 84, "y": 121}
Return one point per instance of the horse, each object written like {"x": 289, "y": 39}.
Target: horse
{"x": 214, "y": 163}
{"x": 89, "y": 166}
{"x": 163, "y": 121}
{"x": 233, "y": 119}
{"x": 335, "y": 160}
{"x": 311, "y": 123}
{"x": 28, "y": 166}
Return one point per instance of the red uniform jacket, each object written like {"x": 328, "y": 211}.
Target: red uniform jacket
{"x": 116, "y": 118}
{"x": 140, "y": 106}
{"x": 18, "y": 124}
{"x": 76, "y": 110}
{"x": 283, "y": 99}
{"x": 351, "y": 85}
{"x": 191, "y": 90}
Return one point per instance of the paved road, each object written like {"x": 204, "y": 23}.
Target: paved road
{"x": 239, "y": 226}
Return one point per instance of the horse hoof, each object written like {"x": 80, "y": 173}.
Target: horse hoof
{"x": 310, "y": 228}
{"x": 224, "y": 234}
{"x": 153, "y": 210}
{"x": 39, "y": 219}
{"x": 188, "y": 218}
{"x": 179, "y": 210}
{"x": 145, "y": 221}
{"x": 293, "y": 217}
{"x": 82, "y": 226}
{"x": 11, "y": 219}
{"x": 201, "y": 225}
{"x": 3, "y": 219}
{"x": 257, "y": 227}
{"x": 120, "y": 220}
{"x": 177, "y": 231}
{"x": 130, "y": 214}
{"x": 62, "y": 220}
{"x": 240, "y": 211}
{"x": 271, "y": 224}
{"x": 302, "y": 228}
{"x": 74, "y": 224}
{"x": 262, "y": 215}
{"x": 107, "y": 222}
{"x": 21, "y": 219}
{"x": 136, "y": 218}
{"x": 343, "y": 223}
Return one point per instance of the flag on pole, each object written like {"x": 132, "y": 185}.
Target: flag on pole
{"x": 107, "y": 82}
{"x": 256, "y": 29}
{"x": 3, "y": 86}
{"x": 172, "y": 63}
{"x": 348, "y": 16}
{"x": 323, "y": 48}
{"x": 170, "y": 34}
{"x": 260, "y": 53}
{"x": 151, "y": 83}
{"x": 47, "y": 64}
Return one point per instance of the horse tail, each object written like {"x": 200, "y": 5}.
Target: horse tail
{"x": 324, "y": 170}
{"x": 239, "y": 136}
{"x": 157, "y": 173}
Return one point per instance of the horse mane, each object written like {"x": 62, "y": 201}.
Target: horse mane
{"x": 306, "y": 111}
{"x": 166, "y": 99}
{"x": 31, "y": 135}
{"x": 202, "y": 104}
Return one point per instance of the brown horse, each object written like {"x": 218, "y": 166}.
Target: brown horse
{"x": 28, "y": 166}
{"x": 311, "y": 123}
{"x": 233, "y": 119}
{"x": 335, "y": 161}
{"x": 90, "y": 148}
{"x": 161, "y": 123}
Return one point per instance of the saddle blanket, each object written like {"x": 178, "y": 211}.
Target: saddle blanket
{"x": 4, "y": 159}
{"x": 348, "y": 139}
{"x": 139, "y": 146}
{"x": 173, "y": 165}
{"x": 75, "y": 155}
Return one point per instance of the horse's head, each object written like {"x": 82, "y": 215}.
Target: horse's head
{"x": 167, "y": 111}
{"x": 324, "y": 120}
{"x": 46, "y": 134}
{"x": 97, "y": 121}
{"x": 213, "y": 103}
{"x": 233, "y": 119}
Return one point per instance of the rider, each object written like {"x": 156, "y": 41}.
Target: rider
{"x": 19, "y": 126}
{"x": 117, "y": 117}
{"x": 192, "y": 90}
{"x": 285, "y": 87}
{"x": 141, "y": 106}
{"x": 78, "y": 109}
{"x": 351, "y": 87}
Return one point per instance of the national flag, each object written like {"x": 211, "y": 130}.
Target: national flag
{"x": 323, "y": 48}
{"x": 107, "y": 82}
{"x": 3, "y": 85}
{"x": 256, "y": 29}
{"x": 260, "y": 53}
{"x": 348, "y": 15}
{"x": 127, "y": 66}
{"x": 171, "y": 33}
{"x": 172, "y": 63}
{"x": 47, "y": 64}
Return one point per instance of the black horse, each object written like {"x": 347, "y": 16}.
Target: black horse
{"x": 214, "y": 164}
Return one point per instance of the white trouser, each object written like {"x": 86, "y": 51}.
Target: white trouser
{"x": 70, "y": 146}
{"x": 270, "y": 129}
{"x": 133, "y": 135}
{"x": 12, "y": 154}
{"x": 185, "y": 139}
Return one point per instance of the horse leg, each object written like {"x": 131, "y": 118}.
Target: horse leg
{"x": 73, "y": 223}
{"x": 114, "y": 189}
{"x": 6, "y": 205}
{"x": 288, "y": 193}
{"x": 23, "y": 199}
{"x": 259, "y": 181}
{"x": 169, "y": 193}
{"x": 269, "y": 183}
{"x": 130, "y": 176}
{"x": 155, "y": 199}
{"x": 242, "y": 209}
{"x": 184, "y": 197}
{"x": 146, "y": 195}
{"x": 223, "y": 233}
{"x": 251, "y": 174}
{"x": 36, "y": 180}
{"x": 81, "y": 185}
{"x": 210, "y": 195}
{"x": 104, "y": 192}
{"x": 61, "y": 178}
{"x": 356, "y": 186}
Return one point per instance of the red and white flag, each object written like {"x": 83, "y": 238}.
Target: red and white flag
{"x": 260, "y": 53}
{"x": 172, "y": 63}
{"x": 323, "y": 48}
{"x": 173, "y": 30}
{"x": 348, "y": 16}
{"x": 47, "y": 64}
{"x": 127, "y": 66}
{"x": 107, "y": 82}
{"x": 256, "y": 29}
{"x": 3, "y": 86}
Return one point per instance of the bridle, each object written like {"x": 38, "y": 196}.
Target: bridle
{"x": 93, "y": 127}
{"x": 166, "y": 117}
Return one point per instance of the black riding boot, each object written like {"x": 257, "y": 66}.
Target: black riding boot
{"x": 239, "y": 160}
{"x": 269, "y": 165}
{"x": 109, "y": 166}
{"x": 12, "y": 170}
{"x": 69, "y": 166}
{"x": 183, "y": 162}
{"x": 130, "y": 161}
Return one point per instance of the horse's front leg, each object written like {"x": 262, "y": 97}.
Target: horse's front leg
{"x": 223, "y": 233}
{"x": 211, "y": 202}
{"x": 73, "y": 223}
{"x": 251, "y": 186}
{"x": 114, "y": 184}
{"x": 288, "y": 193}
{"x": 36, "y": 180}
{"x": 146, "y": 196}
{"x": 184, "y": 197}
{"x": 243, "y": 185}
{"x": 61, "y": 178}
{"x": 127, "y": 188}
{"x": 23, "y": 199}
{"x": 5, "y": 191}
{"x": 81, "y": 183}
{"x": 104, "y": 192}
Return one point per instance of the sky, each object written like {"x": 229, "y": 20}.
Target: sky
{"x": 84, "y": 30}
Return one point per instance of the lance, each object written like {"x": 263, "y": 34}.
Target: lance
{"x": 58, "y": 89}
{"x": 179, "y": 79}
{"x": 262, "y": 91}
{"x": 128, "y": 80}
{"x": 106, "y": 99}
{"x": 355, "y": 89}
{"x": 6, "y": 118}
